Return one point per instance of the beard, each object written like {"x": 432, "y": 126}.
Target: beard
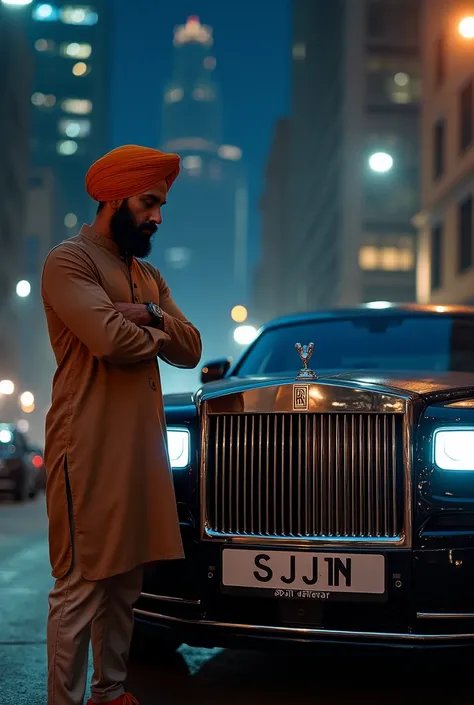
{"x": 132, "y": 240}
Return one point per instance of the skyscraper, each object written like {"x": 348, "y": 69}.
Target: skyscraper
{"x": 68, "y": 97}
{"x": 353, "y": 169}
{"x": 15, "y": 80}
{"x": 203, "y": 251}
{"x": 446, "y": 220}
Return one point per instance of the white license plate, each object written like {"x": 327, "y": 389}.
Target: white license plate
{"x": 304, "y": 570}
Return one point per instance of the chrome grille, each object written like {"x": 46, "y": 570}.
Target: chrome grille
{"x": 300, "y": 475}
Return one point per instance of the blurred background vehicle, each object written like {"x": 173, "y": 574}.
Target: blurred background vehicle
{"x": 21, "y": 465}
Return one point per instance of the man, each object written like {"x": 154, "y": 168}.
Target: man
{"x": 110, "y": 497}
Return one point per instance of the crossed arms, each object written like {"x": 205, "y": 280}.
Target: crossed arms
{"x": 70, "y": 287}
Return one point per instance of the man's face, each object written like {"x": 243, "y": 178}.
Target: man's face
{"x": 136, "y": 221}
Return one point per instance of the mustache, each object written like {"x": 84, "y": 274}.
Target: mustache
{"x": 148, "y": 228}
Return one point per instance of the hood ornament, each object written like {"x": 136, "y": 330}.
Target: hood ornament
{"x": 305, "y": 352}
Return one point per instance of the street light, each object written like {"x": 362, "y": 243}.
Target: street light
{"x": 23, "y": 289}
{"x": 244, "y": 335}
{"x": 27, "y": 399}
{"x": 239, "y": 314}
{"x": 466, "y": 28}
{"x": 6, "y": 387}
{"x": 381, "y": 162}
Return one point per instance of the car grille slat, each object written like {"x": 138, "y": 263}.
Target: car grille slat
{"x": 331, "y": 475}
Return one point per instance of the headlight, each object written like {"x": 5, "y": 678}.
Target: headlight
{"x": 179, "y": 447}
{"x": 454, "y": 449}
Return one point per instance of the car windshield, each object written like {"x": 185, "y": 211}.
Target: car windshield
{"x": 436, "y": 343}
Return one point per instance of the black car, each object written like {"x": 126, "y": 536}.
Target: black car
{"x": 20, "y": 464}
{"x": 334, "y": 505}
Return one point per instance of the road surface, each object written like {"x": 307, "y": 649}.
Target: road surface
{"x": 194, "y": 676}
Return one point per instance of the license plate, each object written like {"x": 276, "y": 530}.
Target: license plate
{"x": 307, "y": 571}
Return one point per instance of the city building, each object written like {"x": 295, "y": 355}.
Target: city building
{"x": 268, "y": 295}
{"x": 41, "y": 223}
{"x": 353, "y": 173}
{"x": 15, "y": 82}
{"x": 445, "y": 221}
{"x": 69, "y": 41}
{"x": 203, "y": 252}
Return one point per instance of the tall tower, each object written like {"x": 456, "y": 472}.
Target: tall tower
{"x": 202, "y": 252}
{"x": 192, "y": 106}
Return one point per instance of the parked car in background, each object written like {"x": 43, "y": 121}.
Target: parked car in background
{"x": 21, "y": 465}
{"x": 334, "y": 505}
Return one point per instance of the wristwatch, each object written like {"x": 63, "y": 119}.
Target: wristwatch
{"x": 155, "y": 312}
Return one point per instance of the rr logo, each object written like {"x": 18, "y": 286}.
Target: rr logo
{"x": 300, "y": 397}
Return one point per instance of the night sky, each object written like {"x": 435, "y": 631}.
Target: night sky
{"x": 252, "y": 47}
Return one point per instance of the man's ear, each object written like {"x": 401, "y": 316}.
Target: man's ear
{"x": 116, "y": 205}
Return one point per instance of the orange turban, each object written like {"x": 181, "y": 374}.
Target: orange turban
{"x": 129, "y": 170}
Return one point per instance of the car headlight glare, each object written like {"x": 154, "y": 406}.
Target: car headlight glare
{"x": 179, "y": 447}
{"x": 454, "y": 449}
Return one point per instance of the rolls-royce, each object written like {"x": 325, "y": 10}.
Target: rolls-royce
{"x": 325, "y": 486}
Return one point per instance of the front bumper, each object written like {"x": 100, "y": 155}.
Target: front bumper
{"x": 428, "y": 603}
{"x": 208, "y": 633}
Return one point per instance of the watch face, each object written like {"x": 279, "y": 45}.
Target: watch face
{"x": 157, "y": 311}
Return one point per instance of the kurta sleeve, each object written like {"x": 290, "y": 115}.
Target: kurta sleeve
{"x": 70, "y": 286}
{"x": 184, "y": 348}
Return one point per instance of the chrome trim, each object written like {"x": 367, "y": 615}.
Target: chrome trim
{"x": 307, "y": 631}
{"x": 328, "y": 397}
{"x": 445, "y": 615}
{"x": 166, "y": 598}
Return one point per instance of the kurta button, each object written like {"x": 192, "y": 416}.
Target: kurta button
{"x": 153, "y": 384}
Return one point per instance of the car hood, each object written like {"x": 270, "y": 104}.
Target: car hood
{"x": 419, "y": 383}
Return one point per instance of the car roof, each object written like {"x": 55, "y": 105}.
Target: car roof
{"x": 371, "y": 309}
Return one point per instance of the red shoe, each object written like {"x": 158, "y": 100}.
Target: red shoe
{"x": 125, "y": 699}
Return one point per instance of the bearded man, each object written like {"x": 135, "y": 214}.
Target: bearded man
{"x": 110, "y": 497}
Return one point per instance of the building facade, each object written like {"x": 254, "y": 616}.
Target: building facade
{"x": 202, "y": 253}
{"x": 445, "y": 221}
{"x": 69, "y": 41}
{"x": 15, "y": 82}
{"x": 268, "y": 293}
{"x": 354, "y": 183}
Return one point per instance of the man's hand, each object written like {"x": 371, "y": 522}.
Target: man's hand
{"x": 136, "y": 313}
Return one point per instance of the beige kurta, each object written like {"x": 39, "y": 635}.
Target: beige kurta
{"x": 105, "y": 430}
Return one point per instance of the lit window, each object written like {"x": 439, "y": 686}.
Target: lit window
{"x": 406, "y": 259}
{"x": 74, "y": 50}
{"x": 389, "y": 258}
{"x": 70, "y": 221}
{"x": 67, "y": 147}
{"x": 75, "y": 128}
{"x": 77, "y": 106}
{"x": 79, "y": 14}
{"x": 368, "y": 257}
{"x": 174, "y": 95}
{"x": 192, "y": 162}
{"x": 228, "y": 151}
{"x": 178, "y": 257}
{"x": 45, "y": 13}
{"x": 81, "y": 69}
{"x": 210, "y": 63}
{"x": 45, "y": 45}
{"x": 43, "y": 101}
{"x": 299, "y": 51}
{"x": 203, "y": 93}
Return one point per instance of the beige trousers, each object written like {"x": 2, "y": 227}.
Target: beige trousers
{"x": 81, "y": 612}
